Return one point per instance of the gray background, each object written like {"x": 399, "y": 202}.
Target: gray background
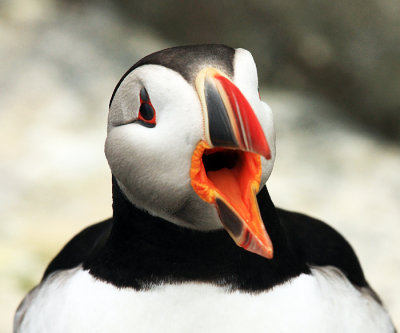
{"x": 329, "y": 70}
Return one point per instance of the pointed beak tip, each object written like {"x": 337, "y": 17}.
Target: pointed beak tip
{"x": 269, "y": 254}
{"x": 265, "y": 250}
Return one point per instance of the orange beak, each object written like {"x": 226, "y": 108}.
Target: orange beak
{"x": 226, "y": 165}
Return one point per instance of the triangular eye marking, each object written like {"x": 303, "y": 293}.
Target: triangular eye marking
{"x": 147, "y": 113}
{"x": 144, "y": 96}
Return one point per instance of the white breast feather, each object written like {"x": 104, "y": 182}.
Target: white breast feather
{"x": 74, "y": 301}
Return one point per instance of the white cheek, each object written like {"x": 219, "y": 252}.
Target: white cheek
{"x": 246, "y": 73}
{"x": 147, "y": 166}
{"x": 153, "y": 164}
{"x": 267, "y": 123}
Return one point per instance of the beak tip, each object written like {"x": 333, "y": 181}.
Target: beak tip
{"x": 270, "y": 253}
{"x": 263, "y": 247}
{"x": 266, "y": 253}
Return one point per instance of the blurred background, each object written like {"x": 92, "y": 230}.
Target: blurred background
{"x": 330, "y": 70}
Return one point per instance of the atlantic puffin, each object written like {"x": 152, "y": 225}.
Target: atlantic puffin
{"x": 195, "y": 243}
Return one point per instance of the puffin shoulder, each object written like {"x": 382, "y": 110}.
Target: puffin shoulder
{"x": 318, "y": 244}
{"x": 81, "y": 247}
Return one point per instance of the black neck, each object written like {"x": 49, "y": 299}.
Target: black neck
{"x": 144, "y": 250}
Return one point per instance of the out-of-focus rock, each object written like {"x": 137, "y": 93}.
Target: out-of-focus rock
{"x": 349, "y": 50}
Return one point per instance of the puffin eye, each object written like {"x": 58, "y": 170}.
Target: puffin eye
{"x": 147, "y": 114}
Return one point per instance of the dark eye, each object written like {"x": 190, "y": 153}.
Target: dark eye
{"x": 147, "y": 114}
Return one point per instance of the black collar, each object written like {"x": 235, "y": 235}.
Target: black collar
{"x": 143, "y": 250}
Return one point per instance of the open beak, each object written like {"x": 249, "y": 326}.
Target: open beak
{"x": 226, "y": 165}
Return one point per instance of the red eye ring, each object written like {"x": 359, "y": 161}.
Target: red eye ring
{"x": 147, "y": 113}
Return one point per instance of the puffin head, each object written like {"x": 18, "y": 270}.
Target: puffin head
{"x": 190, "y": 141}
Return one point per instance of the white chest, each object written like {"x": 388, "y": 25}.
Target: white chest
{"x": 73, "y": 301}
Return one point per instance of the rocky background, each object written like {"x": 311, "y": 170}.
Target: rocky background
{"x": 329, "y": 70}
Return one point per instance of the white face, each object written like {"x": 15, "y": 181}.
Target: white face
{"x": 152, "y": 165}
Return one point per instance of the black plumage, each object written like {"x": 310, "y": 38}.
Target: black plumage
{"x": 136, "y": 249}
